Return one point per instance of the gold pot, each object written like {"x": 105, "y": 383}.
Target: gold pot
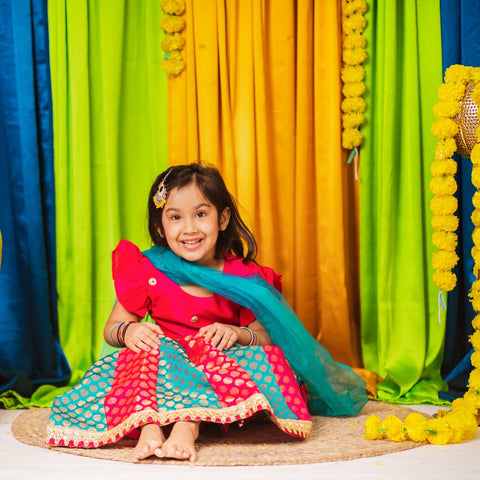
{"x": 468, "y": 122}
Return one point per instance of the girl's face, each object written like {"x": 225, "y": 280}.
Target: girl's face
{"x": 191, "y": 225}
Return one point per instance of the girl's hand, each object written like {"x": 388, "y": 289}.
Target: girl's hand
{"x": 142, "y": 336}
{"x": 219, "y": 335}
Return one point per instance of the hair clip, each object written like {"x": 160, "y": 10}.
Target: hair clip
{"x": 160, "y": 198}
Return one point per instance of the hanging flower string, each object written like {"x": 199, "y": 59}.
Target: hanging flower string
{"x": 460, "y": 423}
{"x": 354, "y": 53}
{"x": 172, "y": 24}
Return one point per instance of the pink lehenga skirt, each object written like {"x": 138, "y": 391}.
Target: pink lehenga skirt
{"x": 182, "y": 380}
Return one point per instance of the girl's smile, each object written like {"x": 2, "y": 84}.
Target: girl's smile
{"x": 191, "y": 225}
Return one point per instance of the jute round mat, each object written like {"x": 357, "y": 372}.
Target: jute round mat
{"x": 262, "y": 443}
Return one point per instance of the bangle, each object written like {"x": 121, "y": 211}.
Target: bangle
{"x": 120, "y": 334}
{"x": 113, "y": 342}
{"x": 253, "y": 336}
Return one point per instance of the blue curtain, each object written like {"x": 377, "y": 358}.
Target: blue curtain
{"x": 460, "y": 45}
{"x": 30, "y": 354}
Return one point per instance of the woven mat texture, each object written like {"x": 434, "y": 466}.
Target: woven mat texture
{"x": 262, "y": 443}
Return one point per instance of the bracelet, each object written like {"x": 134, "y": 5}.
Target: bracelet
{"x": 253, "y": 336}
{"x": 115, "y": 344}
{"x": 121, "y": 330}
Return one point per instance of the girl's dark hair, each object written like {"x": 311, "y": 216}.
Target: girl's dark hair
{"x": 234, "y": 239}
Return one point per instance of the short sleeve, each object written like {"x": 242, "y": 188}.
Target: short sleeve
{"x": 130, "y": 278}
{"x": 272, "y": 277}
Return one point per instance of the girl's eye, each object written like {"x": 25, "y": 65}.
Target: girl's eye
{"x": 175, "y": 217}
{"x": 201, "y": 214}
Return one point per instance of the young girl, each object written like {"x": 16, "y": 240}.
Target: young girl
{"x": 222, "y": 345}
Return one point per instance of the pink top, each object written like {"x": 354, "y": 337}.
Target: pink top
{"x": 141, "y": 288}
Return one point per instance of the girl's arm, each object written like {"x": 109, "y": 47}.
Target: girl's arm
{"x": 223, "y": 336}
{"x": 137, "y": 336}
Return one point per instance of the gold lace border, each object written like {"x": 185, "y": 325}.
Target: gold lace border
{"x": 76, "y": 437}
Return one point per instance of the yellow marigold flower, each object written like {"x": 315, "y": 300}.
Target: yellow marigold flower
{"x": 475, "y": 153}
{"x": 476, "y": 359}
{"x": 448, "y": 223}
{"x": 354, "y": 56}
{"x": 476, "y": 322}
{"x": 444, "y": 127}
{"x": 415, "y": 423}
{"x": 173, "y": 42}
{"x": 353, "y": 104}
{"x": 352, "y": 120}
{"x": 476, "y": 236}
{"x": 476, "y": 217}
{"x": 446, "y": 108}
{"x": 445, "y": 205}
{"x": 444, "y": 280}
{"x": 173, "y": 64}
{"x": 355, "y": 6}
{"x": 459, "y": 404}
{"x": 394, "y": 428}
{"x": 445, "y": 148}
{"x": 173, "y": 7}
{"x": 476, "y": 199}
{"x": 172, "y": 24}
{"x": 443, "y": 260}
{"x": 475, "y": 340}
{"x": 451, "y": 91}
{"x": 353, "y": 73}
{"x": 354, "y": 24}
{"x": 458, "y": 73}
{"x": 475, "y": 95}
{"x": 438, "y": 432}
{"x": 474, "y": 379}
{"x": 476, "y": 75}
{"x": 355, "y": 40}
{"x": 351, "y": 138}
{"x": 472, "y": 397}
{"x": 475, "y": 300}
{"x": 373, "y": 430}
{"x": 470, "y": 427}
{"x": 443, "y": 185}
{"x": 476, "y": 176}
{"x": 439, "y": 168}
{"x": 445, "y": 241}
{"x": 353, "y": 89}
{"x": 457, "y": 424}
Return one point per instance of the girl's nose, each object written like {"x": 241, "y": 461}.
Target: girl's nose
{"x": 190, "y": 225}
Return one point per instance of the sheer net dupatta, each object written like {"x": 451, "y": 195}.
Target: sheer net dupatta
{"x": 333, "y": 389}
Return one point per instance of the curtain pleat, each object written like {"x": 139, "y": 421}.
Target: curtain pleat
{"x": 260, "y": 98}
{"x": 461, "y": 45}
{"x": 402, "y": 334}
{"x": 109, "y": 104}
{"x": 30, "y": 354}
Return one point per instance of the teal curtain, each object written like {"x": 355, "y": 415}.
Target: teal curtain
{"x": 460, "y": 45}
{"x": 402, "y": 332}
{"x": 110, "y": 117}
{"x": 30, "y": 353}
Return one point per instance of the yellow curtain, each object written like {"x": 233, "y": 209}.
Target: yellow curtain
{"x": 260, "y": 98}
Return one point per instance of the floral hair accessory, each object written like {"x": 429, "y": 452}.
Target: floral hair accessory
{"x": 160, "y": 198}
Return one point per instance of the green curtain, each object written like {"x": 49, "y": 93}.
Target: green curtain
{"x": 110, "y": 117}
{"x": 402, "y": 337}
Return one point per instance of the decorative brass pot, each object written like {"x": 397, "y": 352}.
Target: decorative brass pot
{"x": 468, "y": 122}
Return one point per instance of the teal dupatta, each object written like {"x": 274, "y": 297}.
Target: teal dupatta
{"x": 333, "y": 389}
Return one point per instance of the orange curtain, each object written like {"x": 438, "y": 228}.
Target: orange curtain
{"x": 260, "y": 99}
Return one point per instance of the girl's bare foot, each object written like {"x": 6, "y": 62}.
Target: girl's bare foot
{"x": 181, "y": 442}
{"x": 150, "y": 442}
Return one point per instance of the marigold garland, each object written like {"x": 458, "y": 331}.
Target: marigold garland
{"x": 460, "y": 423}
{"x": 354, "y": 54}
{"x": 172, "y": 24}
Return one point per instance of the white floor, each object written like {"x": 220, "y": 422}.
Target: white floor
{"x": 20, "y": 461}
